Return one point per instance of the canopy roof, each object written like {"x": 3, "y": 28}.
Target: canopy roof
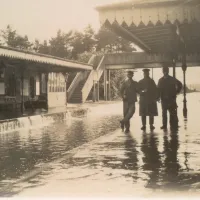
{"x": 11, "y": 53}
{"x": 156, "y": 25}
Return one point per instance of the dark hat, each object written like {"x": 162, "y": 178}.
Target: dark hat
{"x": 165, "y": 69}
{"x": 146, "y": 70}
{"x": 130, "y": 72}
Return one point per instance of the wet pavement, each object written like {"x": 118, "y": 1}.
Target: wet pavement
{"x": 90, "y": 156}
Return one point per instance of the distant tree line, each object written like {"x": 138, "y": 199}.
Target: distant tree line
{"x": 73, "y": 45}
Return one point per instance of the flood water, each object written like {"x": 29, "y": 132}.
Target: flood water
{"x": 22, "y": 151}
{"x": 115, "y": 164}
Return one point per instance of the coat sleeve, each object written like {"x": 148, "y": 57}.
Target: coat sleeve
{"x": 179, "y": 86}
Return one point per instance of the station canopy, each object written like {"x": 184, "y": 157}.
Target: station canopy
{"x": 40, "y": 62}
{"x": 157, "y": 26}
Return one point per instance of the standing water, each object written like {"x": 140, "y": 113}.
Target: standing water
{"x": 40, "y": 140}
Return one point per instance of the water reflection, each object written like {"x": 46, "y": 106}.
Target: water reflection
{"x": 171, "y": 163}
{"x": 167, "y": 161}
{"x": 21, "y": 152}
{"x": 131, "y": 161}
{"x": 151, "y": 159}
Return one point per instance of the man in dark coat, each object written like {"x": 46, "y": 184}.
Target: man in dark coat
{"x": 129, "y": 96}
{"x": 148, "y": 99}
{"x": 169, "y": 87}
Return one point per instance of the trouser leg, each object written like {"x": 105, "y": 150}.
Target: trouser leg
{"x": 125, "y": 108}
{"x": 173, "y": 115}
{"x": 130, "y": 110}
{"x": 144, "y": 120}
{"x": 127, "y": 125}
{"x": 151, "y": 120}
{"x": 164, "y": 114}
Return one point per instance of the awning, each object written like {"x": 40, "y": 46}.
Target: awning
{"x": 12, "y": 53}
{"x": 156, "y": 25}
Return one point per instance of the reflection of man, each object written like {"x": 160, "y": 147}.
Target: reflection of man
{"x": 129, "y": 96}
{"x": 152, "y": 162}
{"x": 169, "y": 87}
{"x": 148, "y": 99}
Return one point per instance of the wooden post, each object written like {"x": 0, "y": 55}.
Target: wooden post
{"x": 174, "y": 68}
{"x": 97, "y": 90}
{"x": 105, "y": 85}
{"x": 109, "y": 86}
{"x": 22, "y": 88}
{"x": 94, "y": 91}
{"x": 47, "y": 88}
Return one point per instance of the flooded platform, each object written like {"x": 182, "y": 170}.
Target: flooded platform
{"x": 90, "y": 156}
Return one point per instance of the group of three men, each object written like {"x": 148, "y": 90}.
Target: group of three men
{"x": 167, "y": 89}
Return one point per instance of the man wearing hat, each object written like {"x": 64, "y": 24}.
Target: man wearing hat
{"x": 169, "y": 87}
{"x": 129, "y": 96}
{"x": 148, "y": 99}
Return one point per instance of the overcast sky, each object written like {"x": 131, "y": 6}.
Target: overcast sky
{"x": 42, "y": 18}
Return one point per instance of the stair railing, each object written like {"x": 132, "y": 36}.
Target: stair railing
{"x": 90, "y": 80}
{"x": 77, "y": 79}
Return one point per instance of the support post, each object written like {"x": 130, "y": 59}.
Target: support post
{"x": 184, "y": 68}
{"x": 109, "y": 86}
{"x": 22, "y": 89}
{"x": 105, "y": 86}
{"x": 97, "y": 90}
{"x": 174, "y": 68}
{"x": 47, "y": 88}
{"x": 94, "y": 91}
{"x": 152, "y": 72}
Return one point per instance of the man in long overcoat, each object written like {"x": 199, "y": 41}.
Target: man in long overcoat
{"x": 169, "y": 87}
{"x": 129, "y": 96}
{"x": 148, "y": 99}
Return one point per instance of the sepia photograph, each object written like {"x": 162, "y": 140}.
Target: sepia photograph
{"x": 100, "y": 99}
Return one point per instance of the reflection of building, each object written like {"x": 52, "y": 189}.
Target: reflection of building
{"x": 34, "y": 80}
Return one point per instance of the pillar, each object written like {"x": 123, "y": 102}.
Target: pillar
{"x": 22, "y": 88}
{"x": 184, "y": 68}
{"x": 97, "y": 90}
{"x": 109, "y": 86}
{"x": 152, "y": 73}
{"x": 94, "y": 91}
{"x": 105, "y": 85}
{"x": 47, "y": 88}
{"x": 174, "y": 68}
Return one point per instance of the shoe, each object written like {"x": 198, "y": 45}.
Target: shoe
{"x": 127, "y": 131}
{"x": 122, "y": 125}
{"x": 163, "y": 127}
{"x": 152, "y": 127}
{"x": 143, "y": 128}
